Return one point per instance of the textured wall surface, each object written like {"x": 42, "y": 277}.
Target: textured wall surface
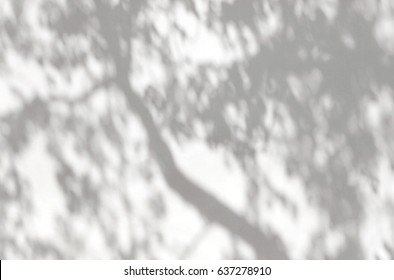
{"x": 187, "y": 129}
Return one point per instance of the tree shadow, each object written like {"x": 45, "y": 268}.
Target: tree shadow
{"x": 302, "y": 90}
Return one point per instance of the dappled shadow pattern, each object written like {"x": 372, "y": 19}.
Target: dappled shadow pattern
{"x": 302, "y": 83}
